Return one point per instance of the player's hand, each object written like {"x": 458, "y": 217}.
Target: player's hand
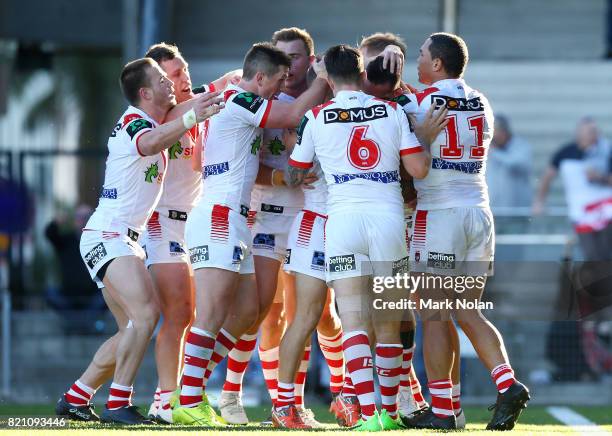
{"x": 434, "y": 122}
{"x": 408, "y": 89}
{"x": 412, "y": 204}
{"x": 393, "y": 58}
{"x": 233, "y": 77}
{"x": 309, "y": 180}
{"x": 319, "y": 68}
{"x": 206, "y": 105}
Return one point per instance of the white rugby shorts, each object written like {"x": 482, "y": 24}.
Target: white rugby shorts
{"x": 270, "y": 229}
{"x": 306, "y": 245}
{"x": 164, "y": 239}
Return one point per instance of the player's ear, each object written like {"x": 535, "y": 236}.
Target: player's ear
{"x": 436, "y": 64}
{"x": 259, "y": 77}
{"x": 312, "y": 59}
{"x": 145, "y": 93}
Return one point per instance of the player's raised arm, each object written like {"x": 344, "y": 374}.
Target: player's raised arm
{"x": 415, "y": 158}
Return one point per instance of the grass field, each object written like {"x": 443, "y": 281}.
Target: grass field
{"x": 535, "y": 420}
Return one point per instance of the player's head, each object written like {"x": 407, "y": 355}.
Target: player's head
{"x": 373, "y": 45}
{"x": 143, "y": 82}
{"x": 380, "y": 82}
{"x": 587, "y": 133}
{"x": 442, "y": 56}
{"x": 344, "y": 66}
{"x": 267, "y": 67}
{"x": 172, "y": 62}
{"x": 501, "y": 132}
{"x": 299, "y": 46}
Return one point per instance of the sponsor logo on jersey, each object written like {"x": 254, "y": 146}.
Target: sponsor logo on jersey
{"x": 175, "y": 150}
{"x": 440, "y": 260}
{"x": 115, "y": 130}
{"x": 95, "y": 255}
{"x": 400, "y": 266}
{"x": 264, "y": 240}
{"x": 470, "y": 167}
{"x": 271, "y": 208}
{"x": 215, "y": 169}
{"x": 276, "y": 146}
{"x": 457, "y": 104}
{"x": 355, "y": 114}
{"x": 342, "y": 263}
{"x": 256, "y": 144}
{"x": 176, "y": 248}
{"x": 128, "y": 118}
{"x": 377, "y": 176}
{"x": 198, "y": 254}
{"x": 133, "y": 235}
{"x": 249, "y": 101}
{"x": 151, "y": 172}
{"x": 138, "y": 125}
{"x": 288, "y": 256}
{"x": 238, "y": 255}
{"x": 177, "y": 215}
{"x": 318, "y": 261}
{"x": 110, "y": 193}
{"x": 300, "y": 129}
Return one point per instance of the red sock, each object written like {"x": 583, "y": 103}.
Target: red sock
{"x": 164, "y": 399}
{"x": 223, "y": 345}
{"x": 348, "y": 390}
{"x": 238, "y": 361}
{"x": 119, "y": 396}
{"x": 269, "y": 366}
{"x": 415, "y": 387}
{"x": 300, "y": 377}
{"x": 198, "y": 349}
{"x": 331, "y": 347}
{"x": 456, "y": 392}
{"x": 406, "y": 365}
{"x": 441, "y": 401}
{"x": 503, "y": 376}
{"x": 286, "y": 395}
{"x": 388, "y": 368}
{"x": 79, "y": 394}
{"x": 356, "y": 346}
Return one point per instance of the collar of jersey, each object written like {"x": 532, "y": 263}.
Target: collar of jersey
{"x": 443, "y": 82}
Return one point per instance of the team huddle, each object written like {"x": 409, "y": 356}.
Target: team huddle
{"x": 263, "y": 206}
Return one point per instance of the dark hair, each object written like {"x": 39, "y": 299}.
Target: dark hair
{"x": 451, "y": 50}
{"x": 502, "y": 121}
{"x": 163, "y": 52}
{"x": 294, "y": 33}
{"x": 135, "y": 75}
{"x": 381, "y": 76}
{"x": 378, "y": 41}
{"x": 263, "y": 57}
{"x": 343, "y": 63}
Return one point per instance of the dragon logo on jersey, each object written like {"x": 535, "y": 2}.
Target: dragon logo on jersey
{"x": 256, "y": 144}
{"x": 175, "y": 150}
{"x": 151, "y": 173}
{"x": 138, "y": 125}
{"x": 276, "y": 146}
{"x": 249, "y": 101}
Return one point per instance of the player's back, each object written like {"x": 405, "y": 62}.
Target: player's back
{"x": 357, "y": 139}
{"x": 457, "y": 175}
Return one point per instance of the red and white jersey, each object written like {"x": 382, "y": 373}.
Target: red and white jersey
{"x": 274, "y": 155}
{"x": 132, "y": 181}
{"x": 231, "y": 144}
{"x": 316, "y": 199}
{"x": 182, "y": 185}
{"x": 358, "y": 140}
{"x": 457, "y": 174}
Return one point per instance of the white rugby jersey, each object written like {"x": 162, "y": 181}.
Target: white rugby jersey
{"x": 358, "y": 140}
{"x": 316, "y": 199}
{"x": 132, "y": 181}
{"x": 457, "y": 174}
{"x": 182, "y": 185}
{"x": 274, "y": 154}
{"x": 231, "y": 144}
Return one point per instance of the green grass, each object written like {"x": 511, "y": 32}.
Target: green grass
{"x": 535, "y": 420}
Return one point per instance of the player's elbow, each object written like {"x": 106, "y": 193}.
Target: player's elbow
{"x": 420, "y": 171}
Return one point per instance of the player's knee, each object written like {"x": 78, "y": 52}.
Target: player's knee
{"x": 180, "y": 315}
{"x": 145, "y": 318}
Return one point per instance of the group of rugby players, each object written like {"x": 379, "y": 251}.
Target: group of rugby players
{"x": 266, "y": 203}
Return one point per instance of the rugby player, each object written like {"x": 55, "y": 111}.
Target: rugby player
{"x": 454, "y": 235}
{"x": 132, "y": 187}
{"x": 217, "y": 234}
{"x": 359, "y": 142}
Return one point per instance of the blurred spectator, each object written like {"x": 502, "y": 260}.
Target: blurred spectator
{"x": 585, "y": 166}
{"x": 508, "y": 167}
{"x": 78, "y": 298}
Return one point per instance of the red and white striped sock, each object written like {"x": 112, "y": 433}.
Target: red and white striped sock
{"x": 119, "y": 396}
{"x": 331, "y": 347}
{"x": 223, "y": 344}
{"x": 407, "y": 354}
{"x": 269, "y": 366}
{"x": 415, "y": 387}
{"x": 286, "y": 395}
{"x": 156, "y": 397}
{"x": 456, "y": 392}
{"x": 300, "y": 377}
{"x": 503, "y": 376}
{"x": 164, "y": 399}
{"x": 441, "y": 397}
{"x": 199, "y": 347}
{"x": 79, "y": 394}
{"x": 238, "y": 361}
{"x": 348, "y": 390}
{"x": 356, "y": 346}
{"x": 388, "y": 368}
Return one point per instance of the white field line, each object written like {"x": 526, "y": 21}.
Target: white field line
{"x": 576, "y": 421}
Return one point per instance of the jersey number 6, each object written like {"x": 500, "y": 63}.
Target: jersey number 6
{"x": 452, "y": 149}
{"x": 363, "y": 153}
